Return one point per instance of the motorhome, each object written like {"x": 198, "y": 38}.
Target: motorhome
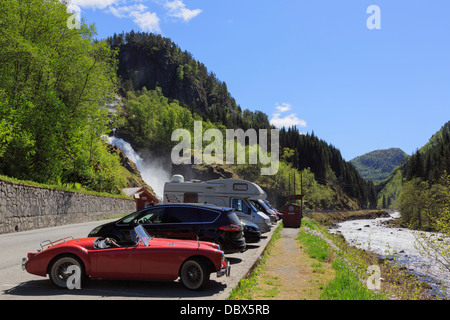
{"x": 221, "y": 192}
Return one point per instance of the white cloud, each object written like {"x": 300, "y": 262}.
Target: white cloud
{"x": 177, "y": 9}
{"x": 122, "y": 12}
{"x": 135, "y": 9}
{"x": 147, "y": 21}
{"x": 283, "y": 107}
{"x": 93, "y": 4}
{"x": 286, "y": 121}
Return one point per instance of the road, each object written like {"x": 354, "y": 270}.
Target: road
{"x": 16, "y": 284}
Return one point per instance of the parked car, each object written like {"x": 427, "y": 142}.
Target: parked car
{"x": 277, "y": 212}
{"x": 252, "y": 233}
{"x": 181, "y": 221}
{"x": 147, "y": 259}
{"x": 220, "y": 192}
{"x": 263, "y": 207}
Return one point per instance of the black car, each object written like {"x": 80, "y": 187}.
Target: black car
{"x": 180, "y": 221}
{"x": 252, "y": 233}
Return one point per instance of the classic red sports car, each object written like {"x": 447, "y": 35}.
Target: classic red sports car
{"x": 149, "y": 259}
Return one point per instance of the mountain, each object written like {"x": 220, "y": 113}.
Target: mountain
{"x": 150, "y": 60}
{"x": 429, "y": 163}
{"x": 328, "y": 166}
{"x": 378, "y": 164}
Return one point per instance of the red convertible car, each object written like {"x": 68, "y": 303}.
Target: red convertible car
{"x": 149, "y": 259}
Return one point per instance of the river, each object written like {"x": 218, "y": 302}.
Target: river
{"x": 401, "y": 243}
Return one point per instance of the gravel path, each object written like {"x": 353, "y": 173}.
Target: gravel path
{"x": 289, "y": 273}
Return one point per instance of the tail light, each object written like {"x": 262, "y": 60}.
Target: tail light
{"x": 231, "y": 228}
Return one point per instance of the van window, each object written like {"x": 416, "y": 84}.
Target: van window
{"x": 182, "y": 215}
{"x": 240, "y": 205}
{"x": 190, "y": 197}
{"x": 257, "y": 205}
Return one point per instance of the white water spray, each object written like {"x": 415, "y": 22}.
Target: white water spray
{"x": 152, "y": 170}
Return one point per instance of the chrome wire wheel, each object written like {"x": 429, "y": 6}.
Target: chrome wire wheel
{"x": 59, "y": 273}
{"x": 194, "y": 274}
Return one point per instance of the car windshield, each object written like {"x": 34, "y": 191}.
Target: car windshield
{"x": 142, "y": 234}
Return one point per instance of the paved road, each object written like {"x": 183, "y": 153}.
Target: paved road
{"x": 16, "y": 284}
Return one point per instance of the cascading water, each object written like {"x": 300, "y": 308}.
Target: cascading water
{"x": 151, "y": 170}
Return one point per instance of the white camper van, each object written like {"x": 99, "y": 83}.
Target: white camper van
{"x": 223, "y": 192}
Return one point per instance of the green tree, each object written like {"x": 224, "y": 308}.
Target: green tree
{"x": 414, "y": 203}
{"x": 54, "y": 83}
{"x": 436, "y": 246}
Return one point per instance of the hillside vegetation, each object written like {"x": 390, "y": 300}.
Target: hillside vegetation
{"x": 420, "y": 186}
{"x": 377, "y": 165}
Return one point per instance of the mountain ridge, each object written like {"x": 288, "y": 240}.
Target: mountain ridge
{"x": 429, "y": 163}
{"x": 378, "y": 164}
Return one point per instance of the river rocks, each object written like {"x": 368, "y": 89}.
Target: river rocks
{"x": 332, "y": 218}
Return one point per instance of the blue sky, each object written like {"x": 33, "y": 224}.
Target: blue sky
{"x": 313, "y": 63}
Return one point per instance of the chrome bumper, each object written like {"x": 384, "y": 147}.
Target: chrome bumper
{"x": 24, "y": 263}
{"x": 224, "y": 271}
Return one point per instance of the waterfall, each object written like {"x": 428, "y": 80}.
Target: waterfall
{"x": 151, "y": 169}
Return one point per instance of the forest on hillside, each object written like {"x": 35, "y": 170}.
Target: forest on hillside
{"x": 326, "y": 162}
{"x": 378, "y": 164}
{"x": 420, "y": 187}
{"x": 150, "y": 60}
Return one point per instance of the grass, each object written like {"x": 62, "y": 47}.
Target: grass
{"x": 339, "y": 272}
{"x": 73, "y": 187}
{"x": 347, "y": 284}
{"x": 247, "y": 286}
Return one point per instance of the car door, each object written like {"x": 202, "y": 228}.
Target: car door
{"x": 181, "y": 222}
{"x": 117, "y": 263}
{"x": 159, "y": 262}
{"x": 152, "y": 220}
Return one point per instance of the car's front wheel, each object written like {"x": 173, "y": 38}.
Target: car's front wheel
{"x": 67, "y": 272}
{"x": 194, "y": 274}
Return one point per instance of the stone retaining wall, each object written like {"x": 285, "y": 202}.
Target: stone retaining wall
{"x": 24, "y": 207}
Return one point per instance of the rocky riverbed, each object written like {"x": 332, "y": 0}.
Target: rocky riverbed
{"x": 399, "y": 244}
